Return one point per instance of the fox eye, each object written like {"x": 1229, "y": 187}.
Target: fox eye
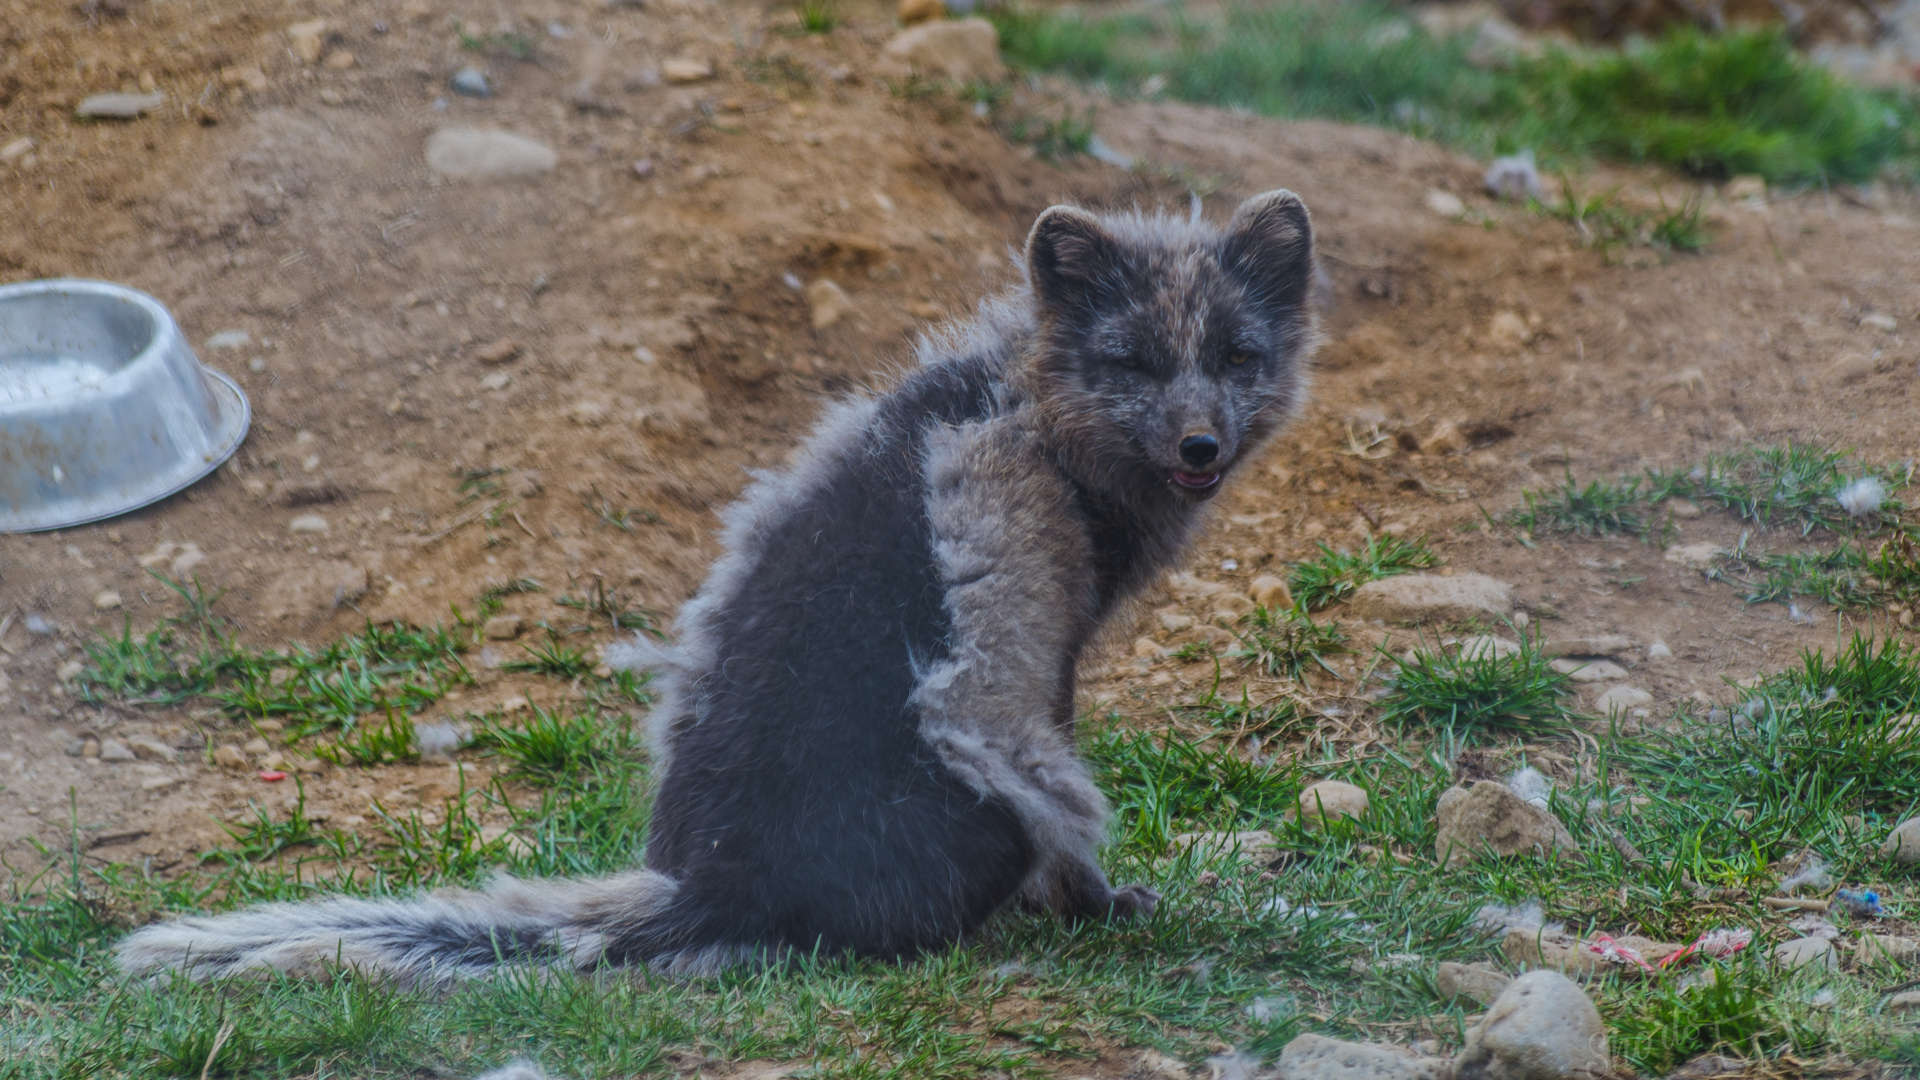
{"x": 1239, "y": 358}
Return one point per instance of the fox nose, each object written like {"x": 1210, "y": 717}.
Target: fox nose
{"x": 1199, "y": 450}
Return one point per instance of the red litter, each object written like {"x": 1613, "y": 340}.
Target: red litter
{"x": 272, "y": 775}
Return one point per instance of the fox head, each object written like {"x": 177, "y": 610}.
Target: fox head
{"x": 1168, "y": 350}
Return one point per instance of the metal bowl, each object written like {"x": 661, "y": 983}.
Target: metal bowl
{"x": 103, "y": 406}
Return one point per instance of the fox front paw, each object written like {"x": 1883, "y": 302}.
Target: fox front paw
{"x": 1132, "y": 902}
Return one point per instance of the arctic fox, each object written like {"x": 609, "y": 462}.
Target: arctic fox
{"x": 865, "y": 731}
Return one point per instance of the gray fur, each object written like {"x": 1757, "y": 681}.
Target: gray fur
{"x": 864, "y": 734}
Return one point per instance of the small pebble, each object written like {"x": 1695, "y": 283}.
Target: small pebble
{"x": 307, "y": 523}
{"x": 229, "y": 756}
{"x": 106, "y": 600}
{"x": 471, "y": 82}
{"x": 115, "y": 750}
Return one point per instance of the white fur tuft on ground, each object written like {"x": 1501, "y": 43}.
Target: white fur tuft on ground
{"x": 1862, "y": 497}
{"x": 518, "y": 1070}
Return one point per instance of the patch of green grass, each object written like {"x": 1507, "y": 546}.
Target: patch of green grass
{"x": 511, "y": 43}
{"x": 1054, "y": 137}
{"x": 1479, "y": 691}
{"x": 554, "y": 744}
{"x": 1792, "y": 484}
{"x": 1711, "y": 105}
{"x": 1333, "y": 575}
{"x": 375, "y": 744}
{"x": 817, "y": 16}
{"x": 1736, "y": 1012}
{"x": 1284, "y": 643}
{"x": 1603, "y": 222}
{"x": 1601, "y": 508}
{"x": 554, "y": 658}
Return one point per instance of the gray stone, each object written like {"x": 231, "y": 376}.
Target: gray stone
{"x": 1589, "y": 670}
{"x": 1904, "y": 843}
{"x": 148, "y": 748}
{"x": 115, "y": 750}
{"x": 229, "y": 756}
{"x": 1488, "y": 816}
{"x": 1423, "y": 597}
{"x": 307, "y": 523}
{"x": 1588, "y": 645}
{"x": 1620, "y": 699}
{"x": 1475, "y": 982}
{"x": 1445, "y": 203}
{"x": 962, "y": 50}
{"x": 471, "y": 82}
{"x": 119, "y": 106}
{"x": 1542, "y": 1027}
{"x": 1904, "y": 1001}
{"x": 1814, "y": 952}
{"x": 487, "y": 154}
{"x": 503, "y": 627}
{"x": 1316, "y": 1057}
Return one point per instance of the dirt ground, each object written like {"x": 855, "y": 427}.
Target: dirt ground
{"x": 625, "y": 331}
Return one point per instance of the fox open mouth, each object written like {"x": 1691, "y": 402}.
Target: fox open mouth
{"x": 1196, "y": 481}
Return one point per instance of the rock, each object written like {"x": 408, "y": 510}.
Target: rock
{"x": 106, "y": 600}
{"x": 1147, "y": 649}
{"x": 1622, "y": 699}
{"x": 1890, "y": 947}
{"x": 1475, "y": 982}
{"x": 1700, "y": 556}
{"x": 1485, "y": 647}
{"x": 115, "y": 750}
{"x": 1487, "y": 816}
{"x": 230, "y": 757}
{"x": 1173, "y": 622}
{"x": 1316, "y": 1057}
{"x": 1445, "y": 203}
{"x": 1507, "y": 330}
{"x": 1271, "y": 592}
{"x": 471, "y": 82}
{"x": 1542, "y": 1027}
{"x": 1659, "y": 650}
{"x": 1423, "y": 597}
{"x": 17, "y": 148}
{"x": 1589, "y": 670}
{"x": 829, "y": 303}
{"x": 339, "y": 60}
{"x": 919, "y": 11}
{"x": 960, "y": 50}
{"x": 69, "y": 671}
{"x": 1256, "y": 846}
{"x": 1903, "y": 844}
{"x": 308, "y": 40}
{"x": 1329, "y": 799}
{"x": 119, "y": 106}
{"x": 1804, "y": 952}
{"x": 1591, "y": 645}
{"x": 230, "y": 339}
{"x": 1904, "y": 1001}
{"x": 487, "y": 154}
{"x": 497, "y": 380}
{"x": 307, "y": 524}
{"x": 148, "y": 748}
{"x": 503, "y": 627}
{"x": 501, "y": 351}
{"x": 250, "y": 78}
{"x": 686, "y": 69}
{"x": 1880, "y": 321}
{"x": 1446, "y": 438}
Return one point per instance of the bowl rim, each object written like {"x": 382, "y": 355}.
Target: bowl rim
{"x": 233, "y": 413}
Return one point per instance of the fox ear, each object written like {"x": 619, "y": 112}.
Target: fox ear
{"x": 1071, "y": 259}
{"x": 1269, "y": 243}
